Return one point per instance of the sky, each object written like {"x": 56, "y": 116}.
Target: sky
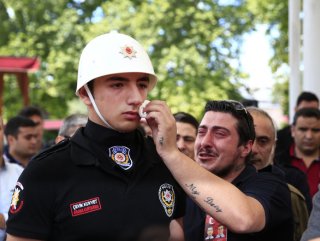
{"x": 256, "y": 52}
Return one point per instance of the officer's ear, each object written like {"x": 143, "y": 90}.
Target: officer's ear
{"x": 83, "y": 95}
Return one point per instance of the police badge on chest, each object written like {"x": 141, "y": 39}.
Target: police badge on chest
{"x": 121, "y": 156}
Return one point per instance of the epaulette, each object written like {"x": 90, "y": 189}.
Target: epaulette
{"x": 55, "y": 148}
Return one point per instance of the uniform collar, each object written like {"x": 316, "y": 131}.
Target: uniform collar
{"x": 103, "y": 135}
{"x": 90, "y": 137}
{"x": 81, "y": 144}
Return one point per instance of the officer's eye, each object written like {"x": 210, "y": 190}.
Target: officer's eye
{"x": 144, "y": 85}
{"x": 117, "y": 85}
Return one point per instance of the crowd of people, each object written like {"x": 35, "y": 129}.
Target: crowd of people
{"x": 115, "y": 174}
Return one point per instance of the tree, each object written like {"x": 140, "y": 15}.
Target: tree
{"x": 194, "y": 46}
{"x": 51, "y": 31}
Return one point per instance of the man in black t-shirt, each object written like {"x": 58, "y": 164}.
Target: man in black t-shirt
{"x": 224, "y": 189}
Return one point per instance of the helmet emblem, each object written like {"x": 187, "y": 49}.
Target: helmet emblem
{"x": 121, "y": 156}
{"x": 167, "y": 198}
{"x": 128, "y": 52}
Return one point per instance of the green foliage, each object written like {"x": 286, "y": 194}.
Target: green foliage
{"x": 191, "y": 43}
{"x": 50, "y": 31}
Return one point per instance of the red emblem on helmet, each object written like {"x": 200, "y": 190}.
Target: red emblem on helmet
{"x": 128, "y": 52}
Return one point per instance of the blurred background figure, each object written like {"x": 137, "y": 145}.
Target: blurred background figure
{"x": 312, "y": 233}
{"x": 34, "y": 113}
{"x": 187, "y": 127}
{"x": 22, "y": 139}
{"x": 304, "y": 152}
{"x": 284, "y": 139}
{"x": 9, "y": 173}
{"x": 70, "y": 126}
{"x": 250, "y": 102}
{"x": 262, "y": 155}
{"x": 263, "y": 148}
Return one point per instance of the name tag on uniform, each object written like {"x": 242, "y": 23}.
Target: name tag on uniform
{"x": 86, "y": 206}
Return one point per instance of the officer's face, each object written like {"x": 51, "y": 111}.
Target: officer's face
{"x": 118, "y": 98}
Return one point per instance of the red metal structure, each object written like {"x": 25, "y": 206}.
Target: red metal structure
{"x": 19, "y": 66}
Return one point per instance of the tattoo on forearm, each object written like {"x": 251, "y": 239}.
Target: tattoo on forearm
{"x": 209, "y": 200}
{"x": 193, "y": 189}
{"x": 194, "y": 193}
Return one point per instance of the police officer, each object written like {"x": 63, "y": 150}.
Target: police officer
{"x": 107, "y": 182}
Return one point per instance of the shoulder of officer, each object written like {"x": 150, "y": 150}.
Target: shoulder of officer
{"x": 62, "y": 145}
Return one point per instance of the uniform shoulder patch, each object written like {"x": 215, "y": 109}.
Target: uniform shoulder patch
{"x": 16, "y": 202}
{"x": 55, "y": 148}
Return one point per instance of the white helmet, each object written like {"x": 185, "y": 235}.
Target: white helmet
{"x": 113, "y": 53}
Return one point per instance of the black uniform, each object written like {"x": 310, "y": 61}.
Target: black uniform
{"x": 100, "y": 185}
{"x": 270, "y": 191}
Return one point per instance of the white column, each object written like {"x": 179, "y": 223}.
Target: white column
{"x": 311, "y": 46}
{"x": 294, "y": 54}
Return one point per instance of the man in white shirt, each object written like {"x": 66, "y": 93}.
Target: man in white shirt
{"x": 9, "y": 173}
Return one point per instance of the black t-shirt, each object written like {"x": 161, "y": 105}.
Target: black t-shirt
{"x": 284, "y": 141}
{"x": 100, "y": 185}
{"x": 270, "y": 191}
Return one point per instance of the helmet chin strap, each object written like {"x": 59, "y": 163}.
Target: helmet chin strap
{"x": 96, "y": 108}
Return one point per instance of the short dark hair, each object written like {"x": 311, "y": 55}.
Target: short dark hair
{"x": 306, "y": 96}
{"x": 29, "y": 111}
{"x": 306, "y": 112}
{"x": 245, "y": 126}
{"x": 186, "y": 118}
{"x": 13, "y": 125}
